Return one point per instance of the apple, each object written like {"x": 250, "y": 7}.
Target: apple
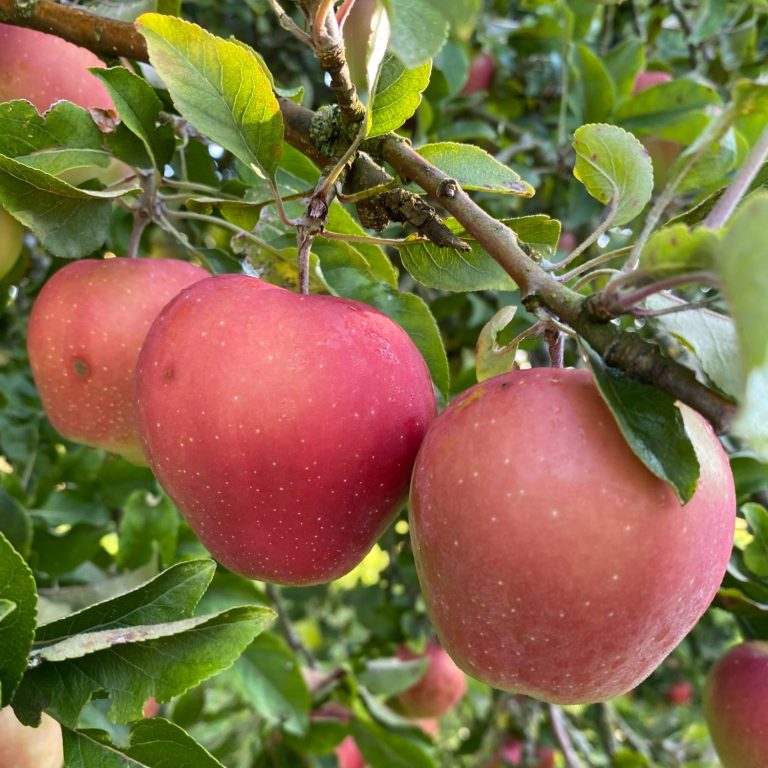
{"x": 24, "y": 747}
{"x": 11, "y": 235}
{"x": 662, "y": 152}
{"x": 348, "y": 754}
{"x": 85, "y": 331}
{"x": 439, "y": 689}
{"x": 512, "y": 751}
{"x": 283, "y": 426}
{"x": 680, "y": 693}
{"x": 482, "y": 70}
{"x": 736, "y": 706}
{"x": 552, "y": 562}
{"x": 43, "y": 68}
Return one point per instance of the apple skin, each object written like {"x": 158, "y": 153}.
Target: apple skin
{"x": 439, "y": 689}
{"x": 43, "y": 68}
{"x": 348, "y": 754}
{"x": 482, "y": 69}
{"x": 24, "y": 747}
{"x": 11, "y": 236}
{"x": 736, "y": 706}
{"x": 85, "y": 331}
{"x": 552, "y": 562}
{"x": 284, "y": 427}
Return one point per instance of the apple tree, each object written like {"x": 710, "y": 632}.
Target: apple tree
{"x": 383, "y": 383}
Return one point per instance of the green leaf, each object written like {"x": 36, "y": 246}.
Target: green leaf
{"x": 756, "y": 552}
{"x": 7, "y": 607}
{"x": 449, "y": 270}
{"x": 69, "y": 222}
{"x": 710, "y": 337}
{"x": 382, "y": 748}
{"x": 148, "y": 523}
{"x": 741, "y": 267}
{"x": 155, "y": 743}
{"x": 613, "y": 165}
{"x": 594, "y": 84}
{"x": 398, "y": 95}
{"x": 386, "y": 677}
{"x": 171, "y": 595}
{"x": 58, "y": 161}
{"x": 219, "y": 86}
{"x": 15, "y": 523}
{"x": 676, "y": 111}
{"x": 269, "y": 676}
{"x": 711, "y": 167}
{"x": 651, "y": 424}
{"x": 474, "y": 168}
{"x": 56, "y": 602}
{"x": 680, "y": 249}
{"x": 24, "y": 131}
{"x": 161, "y": 660}
{"x": 139, "y": 107}
{"x": 409, "y": 311}
{"x": 419, "y": 30}
{"x": 340, "y": 220}
{"x": 490, "y": 358}
{"x": 624, "y": 63}
{"x": 17, "y": 628}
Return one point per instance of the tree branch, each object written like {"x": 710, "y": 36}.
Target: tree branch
{"x": 103, "y": 36}
{"x": 627, "y": 351}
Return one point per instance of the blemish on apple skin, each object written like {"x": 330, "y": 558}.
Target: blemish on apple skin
{"x": 80, "y": 367}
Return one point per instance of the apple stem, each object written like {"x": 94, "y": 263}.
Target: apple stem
{"x": 560, "y": 728}
{"x": 287, "y": 23}
{"x": 305, "y": 239}
{"x": 615, "y": 301}
{"x": 291, "y": 636}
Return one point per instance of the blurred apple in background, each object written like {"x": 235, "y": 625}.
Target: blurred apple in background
{"x": 23, "y": 747}
{"x": 482, "y": 69}
{"x": 680, "y": 693}
{"x": 440, "y": 688}
{"x": 662, "y": 152}
{"x": 11, "y": 236}
{"x": 736, "y": 706}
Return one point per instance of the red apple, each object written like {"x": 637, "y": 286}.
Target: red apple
{"x": 553, "y": 563}
{"x": 736, "y": 706}
{"x": 511, "y": 753}
{"x": 480, "y": 76}
{"x": 43, "y": 68}
{"x": 11, "y": 235}
{"x": 649, "y": 78}
{"x": 348, "y": 754}
{"x": 439, "y": 689}
{"x": 85, "y": 332}
{"x": 23, "y": 747}
{"x": 680, "y": 693}
{"x": 283, "y": 426}
{"x": 151, "y": 707}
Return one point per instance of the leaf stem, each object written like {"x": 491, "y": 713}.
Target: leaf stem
{"x": 736, "y": 190}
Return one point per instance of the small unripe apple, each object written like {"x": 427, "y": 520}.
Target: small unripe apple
{"x": 11, "y": 235}
{"x": 85, "y": 332}
{"x": 480, "y": 76}
{"x": 552, "y": 562}
{"x": 24, "y": 747}
{"x": 43, "y": 68}
{"x": 440, "y": 687}
{"x": 283, "y": 426}
{"x": 736, "y": 706}
{"x": 680, "y": 693}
